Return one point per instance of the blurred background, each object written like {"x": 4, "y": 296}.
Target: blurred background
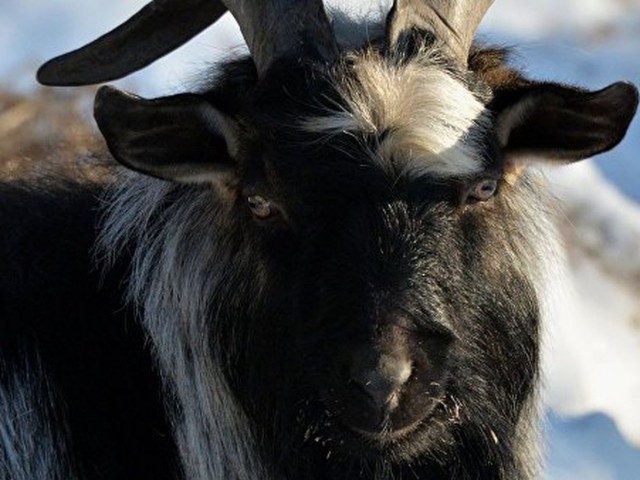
{"x": 592, "y": 355}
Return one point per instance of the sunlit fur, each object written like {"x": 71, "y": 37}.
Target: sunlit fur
{"x": 425, "y": 119}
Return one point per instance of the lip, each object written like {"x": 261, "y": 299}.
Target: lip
{"x": 386, "y": 437}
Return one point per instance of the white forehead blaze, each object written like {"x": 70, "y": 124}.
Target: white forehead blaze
{"x": 426, "y": 120}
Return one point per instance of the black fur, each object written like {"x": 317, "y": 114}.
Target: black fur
{"x": 53, "y": 304}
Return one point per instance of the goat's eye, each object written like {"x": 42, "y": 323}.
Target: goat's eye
{"x": 261, "y": 207}
{"x": 482, "y": 191}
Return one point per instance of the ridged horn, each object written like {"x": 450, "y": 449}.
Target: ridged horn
{"x": 278, "y": 28}
{"x": 454, "y": 22}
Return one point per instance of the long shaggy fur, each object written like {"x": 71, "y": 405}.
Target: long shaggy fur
{"x": 178, "y": 280}
{"x": 31, "y": 427}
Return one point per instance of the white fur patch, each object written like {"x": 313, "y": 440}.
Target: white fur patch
{"x": 427, "y": 120}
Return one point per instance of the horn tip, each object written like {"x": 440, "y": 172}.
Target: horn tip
{"x": 58, "y": 72}
{"x": 47, "y": 75}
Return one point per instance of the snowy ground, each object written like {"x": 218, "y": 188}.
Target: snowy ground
{"x": 593, "y": 380}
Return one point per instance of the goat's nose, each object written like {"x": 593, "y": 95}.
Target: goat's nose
{"x": 381, "y": 377}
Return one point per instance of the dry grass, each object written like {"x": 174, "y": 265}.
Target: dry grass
{"x": 50, "y": 130}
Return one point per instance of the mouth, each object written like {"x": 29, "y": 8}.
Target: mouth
{"x": 386, "y": 435}
{"x": 423, "y": 422}
{"x": 333, "y": 436}
{"x": 388, "y": 422}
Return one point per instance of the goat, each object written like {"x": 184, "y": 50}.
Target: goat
{"x": 328, "y": 263}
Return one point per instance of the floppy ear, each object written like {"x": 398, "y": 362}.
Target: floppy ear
{"x": 558, "y": 122}
{"x": 182, "y": 138}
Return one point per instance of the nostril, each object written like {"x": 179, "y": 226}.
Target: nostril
{"x": 381, "y": 378}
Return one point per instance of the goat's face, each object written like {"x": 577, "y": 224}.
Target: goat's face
{"x": 393, "y": 236}
{"x": 380, "y": 201}
{"x": 401, "y": 297}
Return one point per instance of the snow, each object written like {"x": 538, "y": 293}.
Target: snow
{"x": 594, "y": 335}
{"x": 589, "y": 448}
{"x": 546, "y": 18}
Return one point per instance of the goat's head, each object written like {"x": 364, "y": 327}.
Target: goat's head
{"x": 382, "y": 193}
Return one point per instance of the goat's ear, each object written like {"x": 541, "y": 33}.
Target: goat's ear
{"x": 557, "y": 122}
{"x": 182, "y": 138}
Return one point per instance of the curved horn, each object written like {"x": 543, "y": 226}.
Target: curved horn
{"x": 158, "y": 28}
{"x": 452, "y": 21}
{"x": 279, "y": 28}
{"x": 272, "y": 29}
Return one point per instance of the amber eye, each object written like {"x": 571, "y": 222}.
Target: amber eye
{"x": 482, "y": 191}
{"x": 261, "y": 207}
